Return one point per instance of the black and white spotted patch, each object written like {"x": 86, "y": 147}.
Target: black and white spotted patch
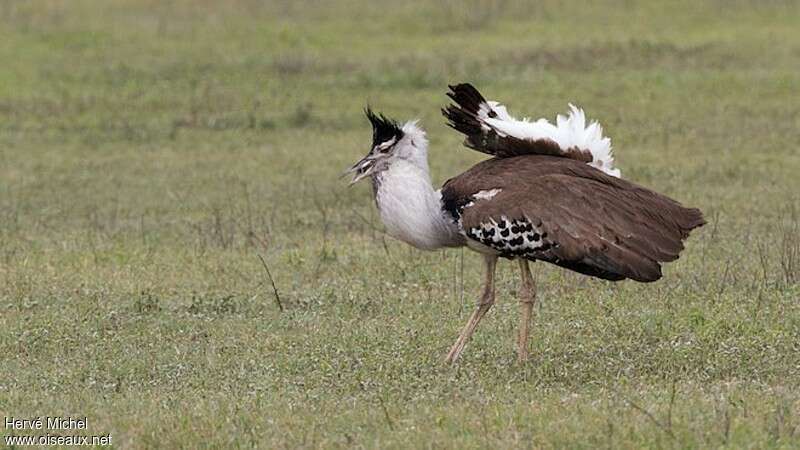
{"x": 511, "y": 237}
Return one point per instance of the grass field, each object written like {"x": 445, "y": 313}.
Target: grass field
{"x": 151, "y": 152}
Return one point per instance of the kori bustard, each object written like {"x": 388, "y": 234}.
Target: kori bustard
{"x": 549, "y": 193}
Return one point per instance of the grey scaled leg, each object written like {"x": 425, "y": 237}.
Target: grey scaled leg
{"x": 527, "y": 299}
{"x": 485, "y": 302}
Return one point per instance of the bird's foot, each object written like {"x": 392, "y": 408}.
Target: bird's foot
{"x": 455, "y": 350}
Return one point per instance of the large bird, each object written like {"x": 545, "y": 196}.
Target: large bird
{"x": 549, "y": 193}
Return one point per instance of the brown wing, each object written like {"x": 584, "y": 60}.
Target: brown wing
{"x": 584, "y": 220}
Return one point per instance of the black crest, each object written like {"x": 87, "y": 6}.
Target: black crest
{"x": 383, "y": 128}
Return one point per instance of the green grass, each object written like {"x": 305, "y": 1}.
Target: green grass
{"x": 151, "y": 151}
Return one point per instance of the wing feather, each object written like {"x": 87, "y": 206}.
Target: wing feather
{"x": 594, "y": 224}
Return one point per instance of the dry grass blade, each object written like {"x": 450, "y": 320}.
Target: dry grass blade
{"x": 272, "y": 282}
{"x": 665, "y": 427}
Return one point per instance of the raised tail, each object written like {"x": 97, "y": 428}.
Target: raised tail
{"x": 463, "y": 116}
{"x": 489, "y": 128}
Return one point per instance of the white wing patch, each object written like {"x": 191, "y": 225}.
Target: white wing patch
{"x": 486, "y": 194}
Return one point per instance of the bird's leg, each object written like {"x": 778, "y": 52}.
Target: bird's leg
{"x": 527, "y": 298}
{"x": 485, "y": 302}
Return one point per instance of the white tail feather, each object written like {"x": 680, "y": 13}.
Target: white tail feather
{"x": 569, "y": 131}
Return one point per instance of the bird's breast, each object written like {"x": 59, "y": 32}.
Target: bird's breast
{"x": 411, "y": 210}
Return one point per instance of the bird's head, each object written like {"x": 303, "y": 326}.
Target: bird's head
{"x": 390, "y": 142}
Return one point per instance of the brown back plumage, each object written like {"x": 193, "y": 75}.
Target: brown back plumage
{"x": 591, "y": 222}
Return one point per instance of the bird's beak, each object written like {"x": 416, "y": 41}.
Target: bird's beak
{"x": 361, "y": 169}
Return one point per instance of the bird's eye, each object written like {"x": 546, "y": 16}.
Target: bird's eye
{"x": 384, "y": 147}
